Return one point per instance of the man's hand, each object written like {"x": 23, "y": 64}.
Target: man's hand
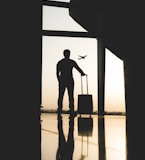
{"x": 83, "y": 74}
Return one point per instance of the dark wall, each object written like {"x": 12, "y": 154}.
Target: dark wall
{"x": 120, "y": 24}
{"x": 20, "y": 79}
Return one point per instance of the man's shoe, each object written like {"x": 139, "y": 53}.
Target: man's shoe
{"x": 59, "y": 111}
{"x": 73, "y": 113}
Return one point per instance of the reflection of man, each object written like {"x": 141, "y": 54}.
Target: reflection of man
{"x": 65, "y": 78}
{"x": 65, "y": 148}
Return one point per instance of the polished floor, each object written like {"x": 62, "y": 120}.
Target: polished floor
{"x": 85, "y": 137}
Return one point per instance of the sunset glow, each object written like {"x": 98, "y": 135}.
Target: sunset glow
{"x": 114, "y": 80}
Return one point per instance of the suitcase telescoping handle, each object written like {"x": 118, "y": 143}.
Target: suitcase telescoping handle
{"x": 86, "y": 83}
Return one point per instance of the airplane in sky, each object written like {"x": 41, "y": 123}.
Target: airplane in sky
{"x": 82, "y": 57}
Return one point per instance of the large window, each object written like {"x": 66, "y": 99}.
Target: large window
{"x": 108, "y": 134}
{"x": 56, "y": 22}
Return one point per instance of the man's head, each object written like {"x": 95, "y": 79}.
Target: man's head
{"x": 66, "y": 53}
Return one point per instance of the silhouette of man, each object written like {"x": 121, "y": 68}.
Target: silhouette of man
{"x": 65, "y": 79}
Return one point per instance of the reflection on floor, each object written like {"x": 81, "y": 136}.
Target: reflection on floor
{"x": 64, "y": 137}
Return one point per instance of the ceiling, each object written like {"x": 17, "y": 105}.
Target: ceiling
{"x": 117, "y": 22}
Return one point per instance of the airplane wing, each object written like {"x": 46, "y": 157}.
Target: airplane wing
{"x": 80, "y": 57}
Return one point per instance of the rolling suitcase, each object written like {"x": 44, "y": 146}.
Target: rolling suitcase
{"x": 85, "y": 101}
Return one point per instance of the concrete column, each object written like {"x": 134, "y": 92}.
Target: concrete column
{"x": 101, "y": 77}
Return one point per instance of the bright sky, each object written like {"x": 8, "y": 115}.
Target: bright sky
{"x": 56, "y": 18}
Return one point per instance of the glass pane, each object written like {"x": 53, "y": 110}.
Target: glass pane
{"x": 53, "y": 48}
{"x": 57, "y": 18}
{"x": 114, "y": 84}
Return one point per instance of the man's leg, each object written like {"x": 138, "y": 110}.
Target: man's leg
{"x": 70, "y": 89}
{"x": 60, "y": 96}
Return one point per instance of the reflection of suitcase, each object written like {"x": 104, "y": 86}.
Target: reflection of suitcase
{"x": 85, "y": 126}
{"x": 85, "y": 129}
{"x": 85, "y": 101}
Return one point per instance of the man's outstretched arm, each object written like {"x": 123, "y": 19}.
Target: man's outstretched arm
{"x": 79, "y": 69}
